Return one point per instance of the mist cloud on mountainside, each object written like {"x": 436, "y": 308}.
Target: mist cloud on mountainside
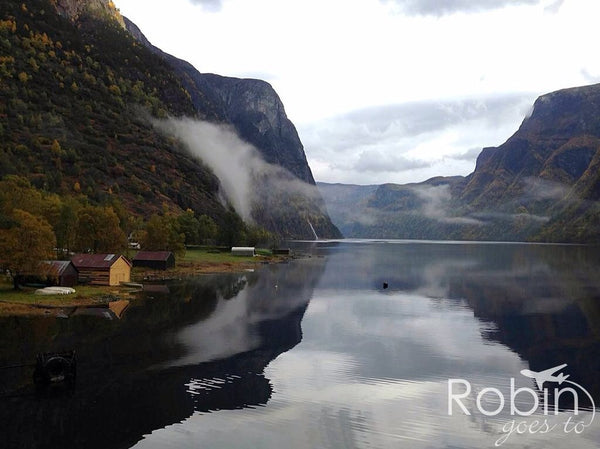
{"x": 245, "y": 178}
{"x": 542, "y": 189}
{"x": 437, "y": 201}
{"x": 435, "y": 205}
{"x": 437, "y": 198}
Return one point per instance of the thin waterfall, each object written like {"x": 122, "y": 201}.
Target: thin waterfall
{"x": 312, "y": 229}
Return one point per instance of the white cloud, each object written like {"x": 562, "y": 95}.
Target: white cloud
{"x": 328, "y": 58}
{"x": 437, "y": 8}
{"x": 209, "y": 5}
{"x": 410, "y": 142}
{"x": 380, "y": 162}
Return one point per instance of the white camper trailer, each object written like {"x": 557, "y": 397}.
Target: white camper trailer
{"x": 247, "y": 251}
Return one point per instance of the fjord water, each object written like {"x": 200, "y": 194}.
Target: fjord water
{"x": 315, "y": 353}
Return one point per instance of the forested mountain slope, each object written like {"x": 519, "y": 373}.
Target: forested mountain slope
{"x": 81, "y": 97}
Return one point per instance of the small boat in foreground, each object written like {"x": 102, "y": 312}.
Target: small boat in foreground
{"x": 55, "y": 368}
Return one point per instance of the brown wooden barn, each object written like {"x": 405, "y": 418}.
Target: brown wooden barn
{"x": 62, "y": 273}
{"x": 157, "y": 260}
{"x": 102, "y": 269}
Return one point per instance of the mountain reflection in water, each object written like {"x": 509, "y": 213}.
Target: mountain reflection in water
{"x": 316, "y": 353}
{"x": 541, "y": 301}
{"x": 203, "y": 347}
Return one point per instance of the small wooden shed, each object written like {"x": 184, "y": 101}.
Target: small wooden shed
{"x": 247, "y": 251}
{"x": 62, "y": 273}
{"x": 102, "y": 269}
{"x": 157, "y": 260}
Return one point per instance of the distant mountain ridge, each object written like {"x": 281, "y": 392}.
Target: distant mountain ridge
{"x": 542, "y": 184}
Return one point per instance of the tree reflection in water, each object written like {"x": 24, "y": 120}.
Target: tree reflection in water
{"x": 201, "y": 347}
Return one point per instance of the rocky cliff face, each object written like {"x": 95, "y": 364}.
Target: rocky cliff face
{"x": 257, "y": 113}
{"x": 73, "y": 9}
{"x": 556, "y": 143}
{"x": 252, "y": 106}
{"x": 548, "y": 169}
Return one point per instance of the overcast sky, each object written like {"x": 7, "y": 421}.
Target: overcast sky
{"x": 388, "y": 90}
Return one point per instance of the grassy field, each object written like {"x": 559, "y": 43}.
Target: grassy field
{"x": 204, "y": 260}
{"x": 84, "y": 294}
{"x": 201, "y": 255}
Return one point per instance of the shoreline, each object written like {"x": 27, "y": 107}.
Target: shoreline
{"x": 15, "y": 303}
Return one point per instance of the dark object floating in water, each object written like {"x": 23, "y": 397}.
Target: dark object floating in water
{"x": 55, "y": 367}
{"x": 385, "y": 285}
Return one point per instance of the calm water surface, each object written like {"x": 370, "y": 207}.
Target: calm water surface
{"x": 317, "y": 354}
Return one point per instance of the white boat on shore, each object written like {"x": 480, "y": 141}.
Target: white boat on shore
{"x": 55, "y": 291}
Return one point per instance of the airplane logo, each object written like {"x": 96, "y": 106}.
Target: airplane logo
{"x": 546, "y": 375}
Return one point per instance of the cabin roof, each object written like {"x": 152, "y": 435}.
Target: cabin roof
{"x": 153, "y": 255}
{"x": 58, "y": 267}
{"x": 96, "y": 260}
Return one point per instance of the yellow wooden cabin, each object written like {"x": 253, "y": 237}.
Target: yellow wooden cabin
{"x": 102, "y": 269}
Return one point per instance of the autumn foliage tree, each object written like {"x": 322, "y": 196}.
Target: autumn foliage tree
{"x": 98, "y": 230}
{"x": 25, "y": 242}
{"x": 162, "y": 233}
{"x": 17, "y": 192}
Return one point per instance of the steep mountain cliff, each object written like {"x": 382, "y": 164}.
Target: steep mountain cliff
{"x": 258, "y": 116}
{"x": 556, "y": 143}
{"x": 82, "y": 93}
{"x": 542, "y": 184}
{"x": 252, "y": 106}
{"x": 548, "y": 168}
